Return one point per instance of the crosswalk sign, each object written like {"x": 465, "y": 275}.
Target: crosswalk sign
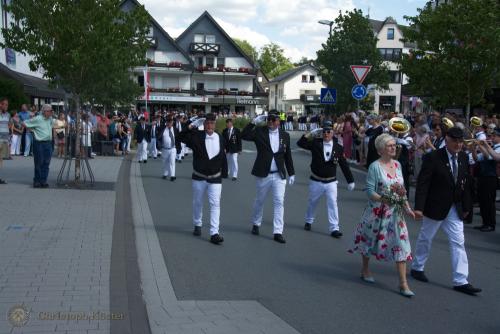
{"x": 328, "y": 96}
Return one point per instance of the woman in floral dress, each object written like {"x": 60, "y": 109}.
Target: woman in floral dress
{"x": 382, "y": 231}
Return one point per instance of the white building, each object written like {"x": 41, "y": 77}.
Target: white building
{"x": 297, "y": 91}
{"x": 201, "y": 70}
{"x": 391, "y": 48}
{"x": 15, "y": 66}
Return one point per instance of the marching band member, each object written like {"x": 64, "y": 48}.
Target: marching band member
{"x": 168, "y": 143}
{"x": 326, "y": 154}
{"x": 209, "y": 167}
{"x": 273, "y": 154}
{"x": 442, "y": 197}
{"x": 232, "y": 137}
{"x": 143, "y": 137}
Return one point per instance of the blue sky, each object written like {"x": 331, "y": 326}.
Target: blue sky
{"x": 290, "y": 23}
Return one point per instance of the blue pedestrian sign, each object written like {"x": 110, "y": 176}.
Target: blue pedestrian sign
{"x": 328, "y": 96}
{"x": 359, "y": 92}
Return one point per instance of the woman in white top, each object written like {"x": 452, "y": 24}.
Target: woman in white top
{"x": 60, "y": 134}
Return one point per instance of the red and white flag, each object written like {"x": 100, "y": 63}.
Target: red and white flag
{"x": 147, "y": 88}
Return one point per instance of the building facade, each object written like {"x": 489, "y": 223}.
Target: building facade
{"x": 202, "y": 70}
{"x": 390, "y": 46}
{"x": 15, "y": 66}
{"x": 297, "y": 90}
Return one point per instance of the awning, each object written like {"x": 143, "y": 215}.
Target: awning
{"x": 32, "y": 86}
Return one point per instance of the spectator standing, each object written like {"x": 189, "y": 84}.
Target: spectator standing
{"x": 60, "y": 131}
{"x": 17, "y": 134}
{"x": 4, "y": 130}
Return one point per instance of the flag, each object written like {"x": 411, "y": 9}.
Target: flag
{"x": 147, "y": 87}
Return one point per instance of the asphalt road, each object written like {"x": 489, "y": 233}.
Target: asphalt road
{"x": 312, "y": 282}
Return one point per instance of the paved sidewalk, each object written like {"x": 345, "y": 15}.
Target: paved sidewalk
{"x": 55, "y": 249}
{"x": 171, "y": 316}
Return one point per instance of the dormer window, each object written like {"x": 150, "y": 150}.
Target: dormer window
{"x": 209, "y": 39}
{"x": 198, "y": 38}
{"x": 390, "y": 33}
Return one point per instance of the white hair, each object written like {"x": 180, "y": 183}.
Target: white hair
{"x": 46, "y": 107}
{"x": 382, "y": 140}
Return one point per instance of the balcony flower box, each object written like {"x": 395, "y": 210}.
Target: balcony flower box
{"x": 244, "y": 70}
{"x": 150, "y": 62}
{"x": 173, "y": 90}
{"x": 221, "y": 68}
{"x": 176, "y": 64}
{"x": 222, "y": 92}
{"x": 243, "y": 92}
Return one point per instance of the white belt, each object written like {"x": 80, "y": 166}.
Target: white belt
{"x": 208, "y": 177}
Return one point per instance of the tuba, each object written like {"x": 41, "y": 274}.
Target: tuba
{"x": 448, "y": 123}
{"x": 400, "y": 126}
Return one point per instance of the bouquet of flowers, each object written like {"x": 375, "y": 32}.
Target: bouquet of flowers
{"x": 395, "y": 195}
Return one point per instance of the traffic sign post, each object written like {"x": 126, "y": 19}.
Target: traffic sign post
{"x": 328, "y": 96}
{"x": 360, "y": 72}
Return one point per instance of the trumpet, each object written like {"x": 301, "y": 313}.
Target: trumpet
{"x": 399, "y": 125}
{"x": 448, "y": 123}
{"x": 468, "y": 142}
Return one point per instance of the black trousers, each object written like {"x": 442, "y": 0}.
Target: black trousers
{"x": 486, "y": 193}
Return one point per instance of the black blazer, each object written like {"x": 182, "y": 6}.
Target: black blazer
{"x": 233, "y": 144}
{"x": 260, "y": 136}
{"x": 195, "y": 140}
{"x": 436, "y": 191}
{"x": 326, "y": 168}
{"x": 159, "y": 137}
{"x": 141, "y": 134}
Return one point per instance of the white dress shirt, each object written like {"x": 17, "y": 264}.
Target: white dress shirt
{"x": 327, "y": 149}
{"x": 212, "y": 144}
{"x": 274, "y": 139}
{"x": 480, "y": 135}
{"x": 167, "y": 142}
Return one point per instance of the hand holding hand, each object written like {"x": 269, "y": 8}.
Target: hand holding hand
{"x": 410, "y": 212}
{"x": 291, "y": 179}
{"x": 418, "y": 215}
{"x": 351, "y": 186}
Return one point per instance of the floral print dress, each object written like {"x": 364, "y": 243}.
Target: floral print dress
{"x": 382, "y": 231}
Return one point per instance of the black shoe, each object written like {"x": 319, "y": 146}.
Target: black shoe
{"x": 336, "y": 234}
{"x": 154, "y": 158}
{"x": 479, "y": 227}
{"x": 234, "y": 179}
{"x": 173, "y": 178}
{"x": 37, "y": 185}
{"x": 145, "y": 161}
{"x": 164, "y": 177}
{"x": 279, "y": 238}
{"x": 255, "y": 230}
{"x": 140, "y": 161}
{"x": 419, "y": 275}
{"x": 307, "y": 227}
{"x": 2, "y": 181}
{"x": 216, "y": 239}
{"x": 487, "y": 228}
{"x": 467, "y": 288}
{"x": 197, "y": 231}
{"x": 45, "y": 185}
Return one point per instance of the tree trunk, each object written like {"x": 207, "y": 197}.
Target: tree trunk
{"x": 77, "y": 140}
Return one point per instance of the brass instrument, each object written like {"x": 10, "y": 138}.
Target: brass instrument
{"x": 468, "y": 142}
{"x": 448, "y": 123}
{"x": 475, "y": 121}
{"x": 400, "y": 126}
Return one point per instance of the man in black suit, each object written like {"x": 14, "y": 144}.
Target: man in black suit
{"x": 326, "y": 155}
{"x": 143, "y": 138}
{"x": 232, "y": 138}
{"x": 273, "y": 154}
{"x": 441, "y": 195}
{"x": 209, "y": 167}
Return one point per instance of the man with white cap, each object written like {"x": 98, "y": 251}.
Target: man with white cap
{"x": 326, "y": 155}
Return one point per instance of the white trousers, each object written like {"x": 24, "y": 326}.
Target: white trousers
{"x": 213, "y": 191}
{"x": 316, "y": 190}
{"x": 15, "y": 145}
{"x": 264, "y": 184}
{"x": 232, "y": 164}
{"x": 168, "y": 156}
{"x": 129, "y": 140}
{"x": 454, "y": 228}
{"x": 142, "y": 150}
{"x": 182, "y": 152}
{"x": 152, "y": 148}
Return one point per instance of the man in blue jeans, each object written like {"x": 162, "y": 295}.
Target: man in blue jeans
{"x": 41, "y": 127}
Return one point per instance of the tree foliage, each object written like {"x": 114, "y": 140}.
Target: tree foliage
{"x": 248, "y": 48}
{"x": 304, "y": 61}
{"x": 272, "y": 61}
{"x": 352, "y": 42}
{"x": 14, "y": 92}
{"x": 78, "y": 44}
{"x": 458, "y": 51}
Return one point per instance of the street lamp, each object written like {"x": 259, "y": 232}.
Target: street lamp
{"x": 328, "y": 23}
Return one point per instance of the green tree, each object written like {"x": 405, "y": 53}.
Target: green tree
{"x": 304, "y": 61}
{"x": 458, "y": 52}
{"x": 248, "y": 48}
{"x": 79, "y": 45}
{"x": 14, "y": 92}
{"x": 272, "y": 60}
{"x": 352, "y": 42}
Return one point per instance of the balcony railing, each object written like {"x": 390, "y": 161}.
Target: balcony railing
{"x": 242, "y": 70}
{"x": 212, "y": 48}
{"x": 172, "y": 64}
{"x": 204, "y": 92}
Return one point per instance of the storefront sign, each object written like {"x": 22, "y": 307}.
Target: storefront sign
{"x": 168, "y": 98}
{"x": 248, "y": 101}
